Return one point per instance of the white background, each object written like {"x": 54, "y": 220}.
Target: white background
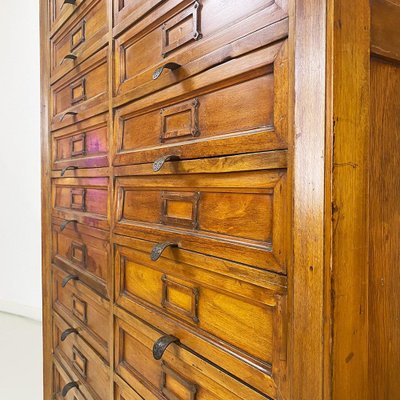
{"x": 20, "y": 252}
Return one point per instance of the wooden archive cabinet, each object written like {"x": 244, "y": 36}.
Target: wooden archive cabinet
{"x": 220, "y": 214}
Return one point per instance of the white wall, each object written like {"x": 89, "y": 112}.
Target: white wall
{"x": 20, "y": 253}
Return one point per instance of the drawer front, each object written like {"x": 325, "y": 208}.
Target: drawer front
{"x": 84, "y": 145}
{"x": 60, "y": 11}
{"x": 178, "y": 375}
{"x": 83, "y": 251}
{"x": 231, "y": 207}
{"x": 216, "y": 117}
{"x": 82, "y": 93}
{"x": 238, "y": 325}
{"x": 122, "y": 391}
{"x": 183, "y": 33}
{"x": 83, "y": 360}
{"x": 75, "y": 41}
{"x": 84, "y": 310}
{"x": 82, "y": 199}
{"x": 61, "y": 378}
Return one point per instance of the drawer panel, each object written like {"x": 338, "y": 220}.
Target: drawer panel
{"x": 60, "y": 11}
{"x": 82, "y": 199}
{"x": 78, "y": 40}
{"x": 83, "y": 251}
{"x": 216, "y": 117}
{"x": 229, "y": 207}
{"x": 84, "y": 310}
{"x": 122, "y": 391}
{"x": 183, "y": 33}
{"x": 82, "y": 93}
{"x": 84, "y": 145}
{"x": 238, "y": 325}
{"x": 81, "y": 358}
{"x": 179, "y": 375}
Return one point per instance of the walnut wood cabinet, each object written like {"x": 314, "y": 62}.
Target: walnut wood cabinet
{"x": 220, "y": 199}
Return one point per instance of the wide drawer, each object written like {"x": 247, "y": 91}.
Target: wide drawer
{"x": 83, "y": 145}
{"x": 60, "y": 11}
{"x": 82, "y": 93}
{"x": 81, "y": 358}
{"x": 230, "y": 207}
{"x": 180, "y": 374}
{"x": 79, "y": 39}
{"x": 84, "y": 252}
{"x": 212, "y": 115}
{"x": 84, "y": 310}
{"x": 183, "y": 38}
{"x": 122, "y": 391}
{"x": 234, "y": 319}
{"x": 82, "y": 199}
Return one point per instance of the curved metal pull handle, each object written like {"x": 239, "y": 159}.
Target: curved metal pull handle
{"x": 158, "y": 164}
{"x": 70, "y": 167}
{"x": 159, "y": 248}
{"x": 73, "y": 2}
{"x": 162, "y": 344}
{"x": 68, "y": 332}
{"x": 65, "y": 223}
{"x": 69, "y": 278}
{"x": 68, "y": 387}
{"x": 171, "y": 65}
{"x": 69, "y": 56}
{"x": 73, "y": 113}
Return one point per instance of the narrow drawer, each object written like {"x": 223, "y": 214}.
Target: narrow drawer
{"x": 82, "y": 93}
{"x": 84, "y": 252}
{"x": 178, "y": 375}
{"x": 84, "y": 310}
{"x": 81, "y": 199}
{"x": 193, "y": 36}
{"x": 215, "y": 117}
{"x": 83, "y": 145}
{"x": 230, "y": 207}
{"x": 81, "y": 358}
{"x": 60, "y": 11}
{"x": 79, "y": 39}
{"x": 61, "y": 380}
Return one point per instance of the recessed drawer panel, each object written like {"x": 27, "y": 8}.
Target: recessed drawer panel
{"x": 239, "y": 325}
{"x": 229, "y": 207}
{"x": 82, "y": 93}
{"x": 215, "y": 116}
{"x": 61, "y": 10}
{"x": 180, "y": 38}
{"x": 81, "y": 199}
{"x": 78, "y": 39}
{"x": 83, "y": 360}
{"x": 83, "y": 309}
{"x": 83, "y": 251}
{"x": 84, "y": 145}
{"x": 178, "y": 375}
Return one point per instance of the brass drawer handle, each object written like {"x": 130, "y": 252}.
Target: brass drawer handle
{"x": 162, "y": 344}
{"x": 68, "y": 387}
{"x": 159, "y": 248}
{"x": 69, "y": 278}
{"x": 65, "y": 223}
{"x": 171, "y": 65}
{"x": 73, "y": 2}
{"x": 68, "y": 332}
{"x": 158, "y": 164}
{"x": 70, "y": 167}
{"x": 69, "y": 56}
{"x": 73, "y": 113}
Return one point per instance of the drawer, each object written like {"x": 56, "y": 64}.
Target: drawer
{"x": 215, "y": 117}
{"x": 82, "y": 199}
{"x": 193, "y": 37}
{"x": 122, "y": 391}
{"x": 61, "y": 379}
{"x": 229, "y": 207}
{"x": 79, "y": 39}
{"x": 82, "y": 93}
{"x": 83, "y": 145}
{"x": 180, "y": 374}
{"x": 60, "y": 11}
{"x": 84, "y": 310}
{"x": 81, "y": 358}
{"x": 84, "y": 252}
